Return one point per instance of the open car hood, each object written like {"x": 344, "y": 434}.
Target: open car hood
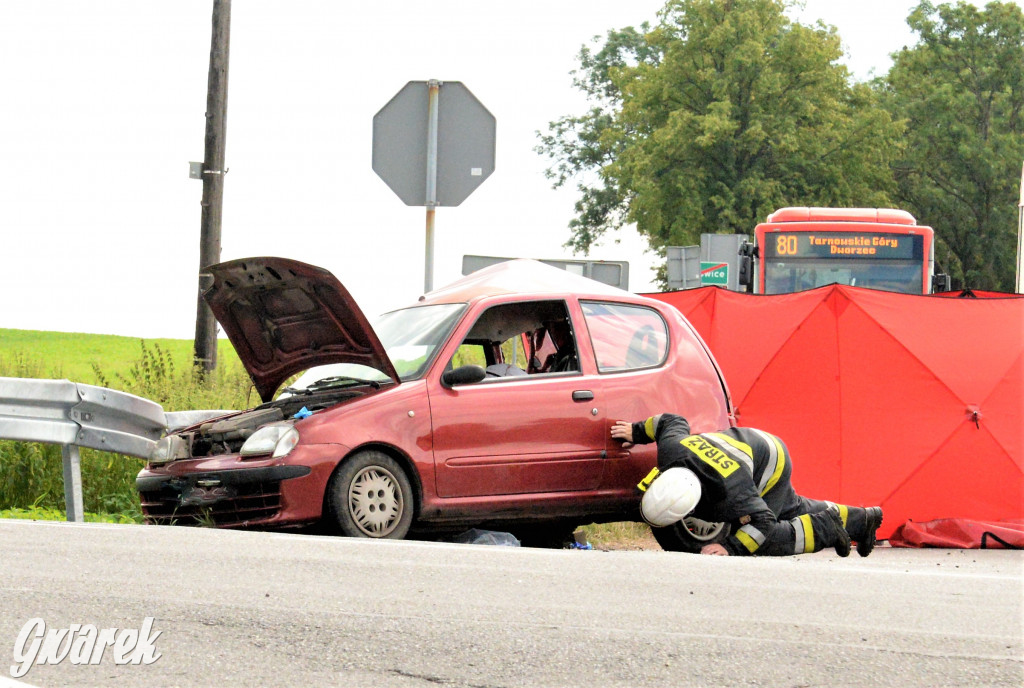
{"x": 283, "y": 316}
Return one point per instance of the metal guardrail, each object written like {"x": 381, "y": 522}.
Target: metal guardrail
{"x": 75, "y": 415}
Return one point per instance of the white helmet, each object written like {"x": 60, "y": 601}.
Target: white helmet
{"x": 670, "y": 497}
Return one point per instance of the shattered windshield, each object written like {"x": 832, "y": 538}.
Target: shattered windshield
{"x": 410, "y": 337}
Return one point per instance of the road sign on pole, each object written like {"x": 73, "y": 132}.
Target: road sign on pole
{"x": 433, "y": 144}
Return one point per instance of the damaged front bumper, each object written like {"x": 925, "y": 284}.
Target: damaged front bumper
{"x": 229, "y": 491}
{"x": 230, "y": 498}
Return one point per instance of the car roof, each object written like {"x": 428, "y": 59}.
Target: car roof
{"x": 521, "y": 276}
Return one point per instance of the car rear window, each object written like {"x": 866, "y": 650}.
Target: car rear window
{"x": 625, "y": 336}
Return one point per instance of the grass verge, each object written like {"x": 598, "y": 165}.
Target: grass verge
{"x": 46, "y": 514}
{"x": 626, "y": 535}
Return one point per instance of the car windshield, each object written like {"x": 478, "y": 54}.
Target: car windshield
{"x": 410, "y": 337}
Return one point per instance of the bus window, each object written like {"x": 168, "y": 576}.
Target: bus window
{"x": 783, "y": 277}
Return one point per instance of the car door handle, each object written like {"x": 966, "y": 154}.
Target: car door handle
{"x": 582, "y": 395}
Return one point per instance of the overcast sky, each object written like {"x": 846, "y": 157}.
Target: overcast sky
{"x": 102, "y": 108}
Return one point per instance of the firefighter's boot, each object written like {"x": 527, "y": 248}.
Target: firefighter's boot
{"x": 824, "y": 529}
{"x": 861, "y": 524}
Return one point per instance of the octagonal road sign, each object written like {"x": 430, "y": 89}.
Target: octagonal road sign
{"x": 465, "y": 143}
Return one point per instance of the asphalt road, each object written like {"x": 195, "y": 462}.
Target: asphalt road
{"x": 237, "y": 608}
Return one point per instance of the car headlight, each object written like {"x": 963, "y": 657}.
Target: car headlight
{"x": 277, "y": 440}
{"x": 168, "y": 449}
{"x": 161, "y": 452}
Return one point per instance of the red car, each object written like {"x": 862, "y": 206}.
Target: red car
{"x": 487, "y": 403}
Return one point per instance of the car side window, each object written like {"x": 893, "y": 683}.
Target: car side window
{"x": 625, "y": 337}
{"x": 521, "y": 339}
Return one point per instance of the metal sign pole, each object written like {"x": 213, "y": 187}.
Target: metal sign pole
{"x": 433, "y": 89}
{"x": 1020, "y": 233}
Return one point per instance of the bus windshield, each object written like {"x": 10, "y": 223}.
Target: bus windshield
{"x": 785, "y": 276}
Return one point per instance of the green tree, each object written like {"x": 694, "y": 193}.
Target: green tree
{"x": 724, "y": 112}
{"x": 961, "y": 92}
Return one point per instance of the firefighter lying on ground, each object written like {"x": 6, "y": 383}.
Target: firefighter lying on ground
{"x": 741, "y": 476}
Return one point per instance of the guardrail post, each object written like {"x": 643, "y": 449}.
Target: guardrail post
{"x": 72, "y": 483}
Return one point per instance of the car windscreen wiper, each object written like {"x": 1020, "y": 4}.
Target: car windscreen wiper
{"x": 334, "y": 381}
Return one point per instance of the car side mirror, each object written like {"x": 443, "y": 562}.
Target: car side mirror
{"x": 463, "y": 375}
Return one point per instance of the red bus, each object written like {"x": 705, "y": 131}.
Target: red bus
{"x": 803, "y": 248}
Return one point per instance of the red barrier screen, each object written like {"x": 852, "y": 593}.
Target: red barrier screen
{"x": 912, "y": 402}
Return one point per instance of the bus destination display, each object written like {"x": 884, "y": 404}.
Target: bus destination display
{"x": 842, "y": 245}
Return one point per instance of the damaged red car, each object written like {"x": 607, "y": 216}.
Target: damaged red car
{"x": 485, "y": 403}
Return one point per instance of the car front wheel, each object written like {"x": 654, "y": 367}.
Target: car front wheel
{"x": 690, "y": 535}
{"x": 370, "y": 496}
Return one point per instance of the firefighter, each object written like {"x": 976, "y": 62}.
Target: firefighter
{"x": 741, "y": 476}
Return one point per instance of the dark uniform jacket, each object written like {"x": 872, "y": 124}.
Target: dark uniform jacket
{"x": 744, "y": 475}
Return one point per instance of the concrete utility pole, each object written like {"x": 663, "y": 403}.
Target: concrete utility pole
{"x": 213, "y": 178}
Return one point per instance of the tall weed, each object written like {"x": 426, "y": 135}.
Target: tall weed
{"x": 32, "y": 475}
{"x": 154, "y": 376}
{"x": 22, "y": 364}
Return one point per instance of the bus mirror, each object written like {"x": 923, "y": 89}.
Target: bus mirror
{"x": 746, "y": 276}
{"x": 746, "y": 268}
{"x": 940, "y": 283}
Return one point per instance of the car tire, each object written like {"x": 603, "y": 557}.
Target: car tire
{"x": 690, "y": 535}
{"x": 370, "y": 496}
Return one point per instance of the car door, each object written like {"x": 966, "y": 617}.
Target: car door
{"x": 527, "y": 432}
{"x": 631, "y": 350}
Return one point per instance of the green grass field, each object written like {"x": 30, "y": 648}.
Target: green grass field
{"x": 63, "y": 355}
